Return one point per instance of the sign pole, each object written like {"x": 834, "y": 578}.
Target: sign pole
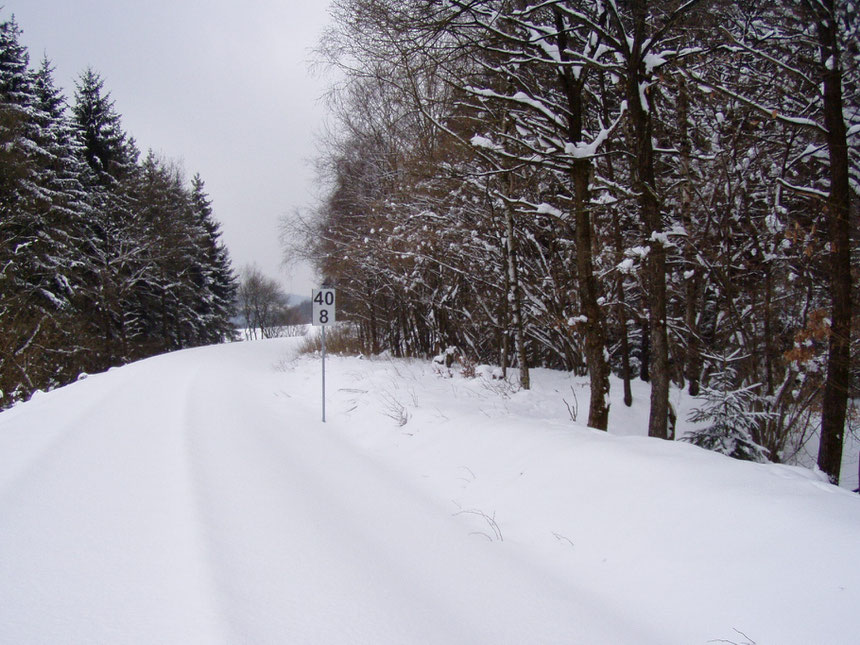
{"x": 323, "y": 373}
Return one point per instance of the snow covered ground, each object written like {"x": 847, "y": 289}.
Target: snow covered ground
{"x": 197, "y": 498}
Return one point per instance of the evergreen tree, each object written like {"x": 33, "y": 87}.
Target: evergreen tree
{"x": 63, "y": 201}
{"x": 18, "y": 328}
{"x": 114, "y": 252}
{"x": 36, "y": 228}
{"x": 733, "y": 414}
{"x": 108, "y": 150}
{"x": 16, "y": 127}
{"x": 218, "y": 281}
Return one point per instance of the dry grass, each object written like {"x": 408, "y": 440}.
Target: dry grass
{"x": 339, "y": 339}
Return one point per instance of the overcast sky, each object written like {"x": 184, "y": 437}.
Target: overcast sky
{"x": 222, "y": 87}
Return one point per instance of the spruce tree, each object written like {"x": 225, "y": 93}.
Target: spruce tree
{"x": 16, "y": 229}
{"x": 63, "y": 200}
{"x": 16, "y": 104}
{"x": 35, "y": 251}
{"x": 219, "y": 281}
{"x": 114, "y": 252}
{"x": 108, "y": 151}
{"x": 733, "y": 413}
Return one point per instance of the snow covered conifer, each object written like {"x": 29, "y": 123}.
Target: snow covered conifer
{"x": 35, "y": 253}
{"x": 732, "y": 413}
{"x": 114, "y": 246}
{"x": 219, "y": 281}
{"x": 109, "y": 152}
{"x": 63, "y": 200}
{"x": 16, "y": 101}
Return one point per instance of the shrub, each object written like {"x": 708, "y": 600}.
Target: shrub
{"x": 339, "y": 339}
{"x": 734, "y": 414}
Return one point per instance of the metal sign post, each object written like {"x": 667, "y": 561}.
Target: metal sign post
{"x": 322, "y": 331}
{"x": 323, "y": 315}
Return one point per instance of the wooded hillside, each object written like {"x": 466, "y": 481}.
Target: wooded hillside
{"x": 666, "y": 190}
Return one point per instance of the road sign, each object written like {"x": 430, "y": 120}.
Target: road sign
{"x": 323, "y": 315}
{"x": 323, "y": 307}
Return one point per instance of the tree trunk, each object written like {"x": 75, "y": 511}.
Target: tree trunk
{"x": 374, "y": 334}
{"x": 595, "y": 342}
{"x": 837, "y": 383}
{"x": 514, "y": 295}
{"x": 505, "y": 322}
{"x": 625, "y": 353}
{"x": 693, "y": 354}
{"x": 595, "y": 338}
{"x": 618, "y": 242}
{"x": 621, "y": 312}
{"x": 649, "y": 210}
{"x": 767, "y": 314}
{"x": 644, "y": 350}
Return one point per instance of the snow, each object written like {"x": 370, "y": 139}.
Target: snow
{"x": 637, "y": 251}
{"x": 643, "y": 96}
{"x": 197, "y": 497}
{"x": 798, "y": 120}
{"x": 548, "y": 209}
{"x": 661, "y": 237}
{"x": 483, "y": 142}
{"x": 549, "y": 48}
{"x": 626, "y": 266}
{"x": 582, "y": 150}
{"x": 653, "y": 61}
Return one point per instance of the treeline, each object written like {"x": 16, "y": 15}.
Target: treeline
{"x": 265, "y": 310}
{"x": 104, "y": 258}
{"x": 663, "y": 190}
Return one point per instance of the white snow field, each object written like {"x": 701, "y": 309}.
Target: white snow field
{"x": 197, "y": 497}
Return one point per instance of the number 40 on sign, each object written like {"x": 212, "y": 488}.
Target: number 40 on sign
{"x": 323, "y": 307}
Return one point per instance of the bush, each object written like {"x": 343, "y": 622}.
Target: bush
{"x": 339, "y": 339}
{"x": 735, "y": 415}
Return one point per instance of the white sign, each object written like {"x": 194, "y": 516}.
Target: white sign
{"x": 323, "y": 307}
{"x": 323, "y": 315}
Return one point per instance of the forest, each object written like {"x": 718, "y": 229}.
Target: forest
{"x": 665, "y": 191}
{"x": 105, "y": 257}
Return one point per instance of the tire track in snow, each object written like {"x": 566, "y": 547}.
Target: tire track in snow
{"x": 47, "y": 440}
{"x": 275, "y": 520}
{"x": 199, "y": 522}
{"x": 293, "y": 555}
{"x": 190, "y": 504}
{"x": 113, "y": 560}
{"x": 314, "y": 542}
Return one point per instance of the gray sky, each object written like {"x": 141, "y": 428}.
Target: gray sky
{"x": 222, "y": 87}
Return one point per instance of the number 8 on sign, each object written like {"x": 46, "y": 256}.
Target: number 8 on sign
{"x": 323, "y": 307}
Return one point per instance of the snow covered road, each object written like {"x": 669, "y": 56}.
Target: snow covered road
{"x": 197, "y": 498}
{"x": 187, "y": 499}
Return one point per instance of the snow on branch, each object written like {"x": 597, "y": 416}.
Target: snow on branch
{"x": 763, "y": 109}
{"x": 581, "y": 150}
{"x": 742, "y": 46}
{"x": 809, "y": 191}
{"x": 484, "y": 142}
{"x": 529, "y": 208}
